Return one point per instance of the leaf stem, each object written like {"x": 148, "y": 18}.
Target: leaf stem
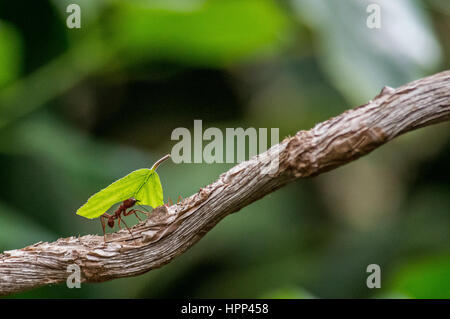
{"x": 155, "y": 166}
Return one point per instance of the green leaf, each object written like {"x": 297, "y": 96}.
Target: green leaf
{"x": 150, "y": 192}
{"x": 143, "y": 184}
{"x": 207, "y": 33}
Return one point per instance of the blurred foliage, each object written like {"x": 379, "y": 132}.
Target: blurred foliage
{"x": 424, "y": 279}
{"x": 80, "y": 108}
{"x": 214, "y": 29}
{"x": 370, "y": 60}
{"x": 9, "y": 54}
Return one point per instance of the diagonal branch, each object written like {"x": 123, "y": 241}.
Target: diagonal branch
{"x": 171, "y": 231}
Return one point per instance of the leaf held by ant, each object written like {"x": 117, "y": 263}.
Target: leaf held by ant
{"x": 143, "y": 184}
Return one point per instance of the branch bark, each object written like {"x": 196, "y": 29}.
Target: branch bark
{"x": 169, "y": 232}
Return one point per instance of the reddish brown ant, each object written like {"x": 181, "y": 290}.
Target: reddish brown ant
{"x": 122, "y": 209}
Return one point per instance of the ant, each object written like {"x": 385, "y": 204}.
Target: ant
{"x": 122, "y": 209}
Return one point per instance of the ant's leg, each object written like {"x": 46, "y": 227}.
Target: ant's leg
{"x": 118, "y": 222}
{"x": 132, "y": 211}
{"x": 131, "y": 234}
{"x": 146, "y": 212}
{"x": 103, "y": 227}
{"x": 180, "y": 199}
{"x": 141, "y": 211}
{"x": 169, "y": 201}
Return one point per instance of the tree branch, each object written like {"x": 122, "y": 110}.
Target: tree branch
{"x": 169, "y": 232}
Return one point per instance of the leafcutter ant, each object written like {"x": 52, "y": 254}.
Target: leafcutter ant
{"x": 122, "y": 209}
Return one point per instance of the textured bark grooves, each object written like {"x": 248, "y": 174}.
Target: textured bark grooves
{"x": 171, "y": 231}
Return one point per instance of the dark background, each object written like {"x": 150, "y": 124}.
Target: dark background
{"x": 80, "y": 108}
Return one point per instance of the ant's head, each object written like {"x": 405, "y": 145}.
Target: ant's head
{"x": 110, "y": 222}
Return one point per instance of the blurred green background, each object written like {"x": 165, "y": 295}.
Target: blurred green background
{"x": 80, "y": 108}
